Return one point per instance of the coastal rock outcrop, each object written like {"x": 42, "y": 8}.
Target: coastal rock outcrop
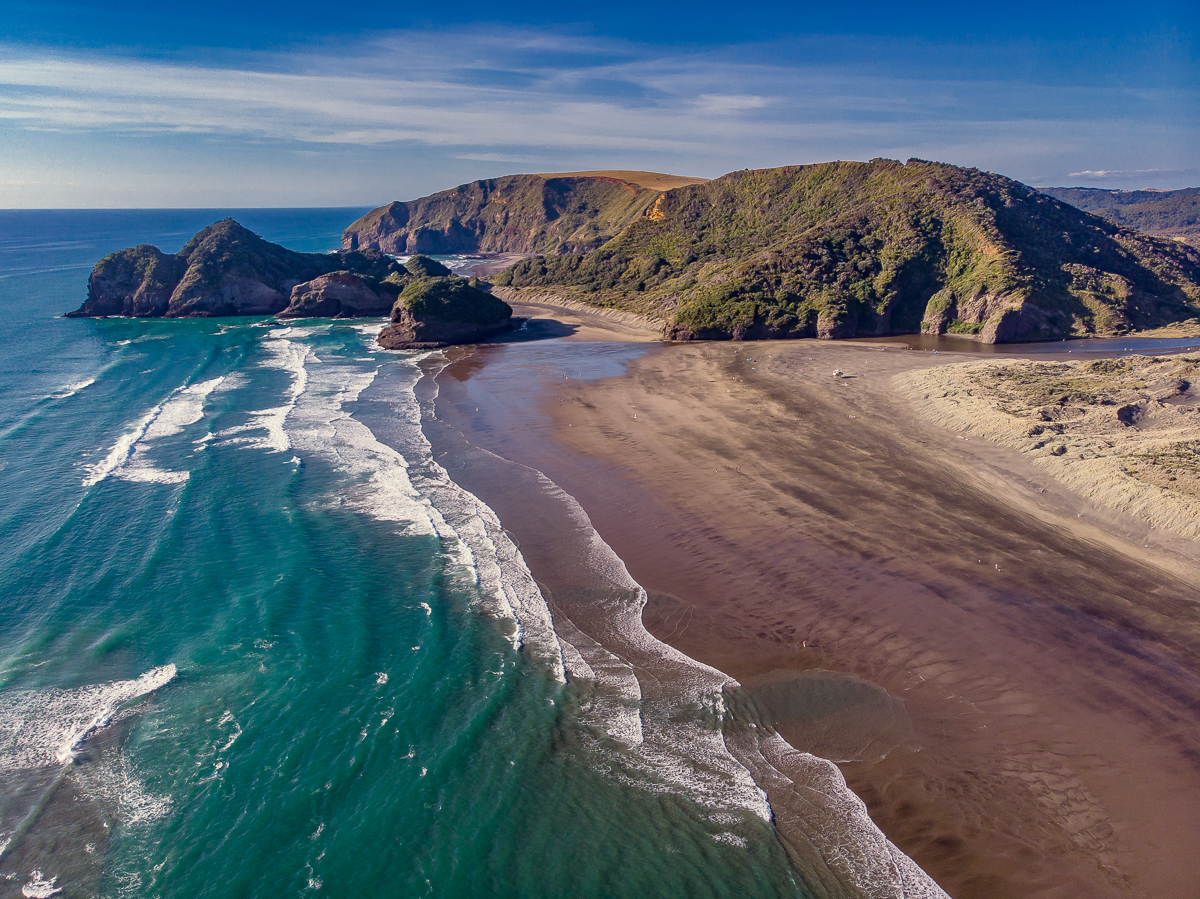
{"x": 229, "y": 270}
{"x": 340, "y": 295}
{"x": 439, "y": 311}
{"x": 853, "y": 249}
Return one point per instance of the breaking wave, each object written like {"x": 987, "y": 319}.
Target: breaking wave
{"x": 128, "y": 458}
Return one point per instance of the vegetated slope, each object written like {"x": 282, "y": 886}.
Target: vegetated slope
{"x": 226, "y": 269}
{"x": 559, "y": 213}
{"x": 441, "y": 310}
{"x": 1167, "y": 213}
{"x": 847, "y": 249}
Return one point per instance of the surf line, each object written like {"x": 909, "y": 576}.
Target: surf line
{"x": 124, "y": 692}
{"x": 183, "y": 406}
{"x": 725, "y": 768}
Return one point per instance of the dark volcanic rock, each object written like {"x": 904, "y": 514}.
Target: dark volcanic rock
{"x": 228, "y": 270}
{"x": 340, "y": 294}
{"x": 442, "y": 311}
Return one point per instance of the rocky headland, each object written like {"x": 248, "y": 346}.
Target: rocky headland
{"x": 850, "y": 249}
{"x": 833, "y": 250}
{"x": 570, "y": 212}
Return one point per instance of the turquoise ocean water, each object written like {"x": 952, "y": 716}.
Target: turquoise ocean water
{"x": 247, "y": 648}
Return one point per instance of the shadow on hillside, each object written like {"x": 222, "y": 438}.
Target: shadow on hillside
{"x": 535, "y": 329}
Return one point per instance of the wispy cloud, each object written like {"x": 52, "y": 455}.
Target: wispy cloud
{"x": 1126, "y": 174}
{"x": 527, "y": 98}
{"x": 498, "y": 157}
{"x": 513, "y": 91}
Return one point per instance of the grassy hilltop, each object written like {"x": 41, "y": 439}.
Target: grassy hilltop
{"x": 570, "y": 212}
{"x": 847, "y": 249}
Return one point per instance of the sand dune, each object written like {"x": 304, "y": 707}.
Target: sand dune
{"x": 1123, "y": 432}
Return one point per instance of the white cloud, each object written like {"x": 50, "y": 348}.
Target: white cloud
{"x": 718, "y": 104}
{"x": 1121, "y": 174}
{"x": 468, "y": 103}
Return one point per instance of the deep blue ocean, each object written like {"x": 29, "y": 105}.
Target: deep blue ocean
{"x": 248, "y": 648}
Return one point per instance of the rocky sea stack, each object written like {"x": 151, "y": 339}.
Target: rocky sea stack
{"x": 229, "y": 270}
{"x": 438, "y": 311}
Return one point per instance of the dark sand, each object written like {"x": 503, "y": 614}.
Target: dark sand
{"x": 1043, "y": 736}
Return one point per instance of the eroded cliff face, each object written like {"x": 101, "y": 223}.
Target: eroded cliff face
{"x": 137, "y": 282}
{"x": 569, "y": 213}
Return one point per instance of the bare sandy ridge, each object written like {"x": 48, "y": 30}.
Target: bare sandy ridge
{"x": 651, "y": 180}
{"x": 1046, "y": 648}
{"x": 1125, "y": 433}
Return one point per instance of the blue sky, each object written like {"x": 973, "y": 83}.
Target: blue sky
{"x": 127, "y": 104}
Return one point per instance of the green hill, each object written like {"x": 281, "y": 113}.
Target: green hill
{"x": 1167, "y": 213}
{"x": 559, "y": 213}
{"x": 847, "y": 249}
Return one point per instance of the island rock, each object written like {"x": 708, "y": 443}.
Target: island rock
{"x": 446, "y": 310}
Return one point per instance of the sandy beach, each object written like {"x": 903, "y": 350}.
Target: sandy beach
{"x": 1006, "y": 672}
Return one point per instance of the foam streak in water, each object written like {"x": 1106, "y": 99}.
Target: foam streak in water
{"x": 46, "y": 727}
{"x": 128, "y": 460}
{"x": 289, "y": 356}
{"x": 43, "y": 730}
{"x": 506, "y": 586}
{"x": 71, "y": 389}
{"x": 405, "y": 485}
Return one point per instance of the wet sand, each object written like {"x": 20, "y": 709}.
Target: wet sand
{"x": 1042, "y": 654}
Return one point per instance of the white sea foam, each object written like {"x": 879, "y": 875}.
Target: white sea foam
{"x": 71, "y": 389}
{"x": 121, "y": 450}
{"x": 506, "y": 586}
{"x": 281, "y": 354}
{"x": 38, "y": 887}
{"x": 45, "y": 727}
{"x": 688, "y": 754}
{"x": 404, "y": 486}
{"x": 44, "y": 730}
{"x": 681, "y": 746}
{"x": 129, "y": 460}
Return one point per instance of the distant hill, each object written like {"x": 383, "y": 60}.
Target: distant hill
{"x": 847, "y": 249}
{"x": 567, "y": 212}
{"x": 1167, "y": 213}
